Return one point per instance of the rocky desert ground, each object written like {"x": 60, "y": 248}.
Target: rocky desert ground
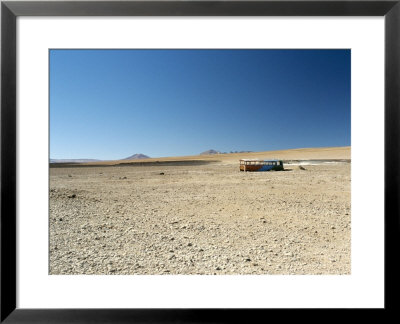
{"x": 203, "y": 216}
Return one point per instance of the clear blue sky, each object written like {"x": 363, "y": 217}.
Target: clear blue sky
{"x": 109, "y": 104}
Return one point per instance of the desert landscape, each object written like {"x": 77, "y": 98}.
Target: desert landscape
{"x": 201, "y": 215}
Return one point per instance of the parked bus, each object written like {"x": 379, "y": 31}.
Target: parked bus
{"x": 260, "y": 165}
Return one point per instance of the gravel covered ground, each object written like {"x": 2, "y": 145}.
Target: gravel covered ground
{"x": 200, "y": 219}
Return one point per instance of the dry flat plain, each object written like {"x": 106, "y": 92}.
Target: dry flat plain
{"x": 201, "y": 215}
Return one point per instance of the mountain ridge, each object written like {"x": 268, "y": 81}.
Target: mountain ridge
{"x": 209, "y": 152}
{"x": 137, "y": 156}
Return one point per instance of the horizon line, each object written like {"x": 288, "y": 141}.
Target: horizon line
{"x": 225, "y": 153}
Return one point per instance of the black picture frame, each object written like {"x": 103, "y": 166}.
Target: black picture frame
{"x": 10, "y": 10}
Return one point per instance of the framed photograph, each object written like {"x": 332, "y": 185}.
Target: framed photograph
{"x": 188, "y": 161}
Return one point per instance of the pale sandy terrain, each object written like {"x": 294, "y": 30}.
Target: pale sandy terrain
{"x": 203, "y": 219}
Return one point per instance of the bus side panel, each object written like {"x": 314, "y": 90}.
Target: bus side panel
{"x": 253, "y": 168}
{"x": 266, "y": 167}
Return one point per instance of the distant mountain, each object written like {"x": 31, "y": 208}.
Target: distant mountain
{"x": 72, "y": 160}
{"x": 209, "y": 152}
{"x": 137, "y": 156}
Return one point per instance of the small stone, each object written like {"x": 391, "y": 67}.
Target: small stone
{"x": 248, "y": 259}
{"x": 161, "y": 173}
{"x": 217, "y": 268}
{"x": 190, "y": 244}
